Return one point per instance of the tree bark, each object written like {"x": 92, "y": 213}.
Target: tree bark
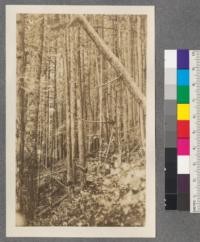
{"x": 81, "y": 143}
{"x": 68, "y": 116}
{"x": 140, "y": 76}
{"x": 32, "y": 125}
{"x": 21, "y": 66}
{"x": 71, "y": 174}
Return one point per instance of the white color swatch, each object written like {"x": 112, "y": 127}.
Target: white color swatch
{"x": 183, "y": 164}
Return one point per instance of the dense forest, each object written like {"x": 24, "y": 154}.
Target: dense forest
{"x": 81, "y": 102}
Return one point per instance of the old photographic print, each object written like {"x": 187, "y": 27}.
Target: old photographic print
{"x": 80, "y": 121}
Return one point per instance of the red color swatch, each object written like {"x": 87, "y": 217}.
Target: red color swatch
{"x": 183, "y": 129}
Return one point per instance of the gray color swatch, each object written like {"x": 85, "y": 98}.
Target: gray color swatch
{"x": 170, "y": 139}
{"x": 170, "y": 123}
{"x": 170, "y": 107}
{"x": 170, "y": 76}
{"x": 170, "y": 92}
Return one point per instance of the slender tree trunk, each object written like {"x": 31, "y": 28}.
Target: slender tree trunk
{"x": 72, "y": 103}
{"x": 140, "y": 77}
{"x": 68, "y": 116}
{"x": 21, "y": 65}
{"x": 80, "y": 111}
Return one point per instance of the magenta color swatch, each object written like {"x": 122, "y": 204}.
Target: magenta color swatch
{"x": 183, "y": 146}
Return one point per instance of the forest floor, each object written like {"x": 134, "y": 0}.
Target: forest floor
{"x": 114, "y": 195}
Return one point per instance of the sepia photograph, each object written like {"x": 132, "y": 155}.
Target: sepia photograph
{"x": 80, "y": 125}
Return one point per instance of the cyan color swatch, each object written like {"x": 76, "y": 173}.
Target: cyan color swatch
{"x": 183, "y": 77}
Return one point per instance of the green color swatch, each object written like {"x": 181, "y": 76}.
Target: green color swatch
{"x": 183, "y": 94}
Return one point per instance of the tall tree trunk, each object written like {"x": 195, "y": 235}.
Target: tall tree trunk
{"x": 68, "y": 116}
{"x": 72, "y": 176}
{"x": 81, "y": 141}
{"x": 21, "y": 66}
{"x": 140, "y": 76}
{"x": 32, "y": 125}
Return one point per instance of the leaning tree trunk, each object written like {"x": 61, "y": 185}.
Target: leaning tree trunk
{"x": 114, "y": 61}
{"x": 105, "y": 50}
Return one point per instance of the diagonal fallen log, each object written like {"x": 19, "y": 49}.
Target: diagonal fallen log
{"x": 114, "y": 61}
{"x": 112, "y": 58}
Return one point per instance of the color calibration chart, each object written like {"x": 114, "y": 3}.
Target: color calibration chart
{"x": 182, "y": 130}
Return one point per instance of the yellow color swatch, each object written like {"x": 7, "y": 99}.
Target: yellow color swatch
{"x": 183, "y": 111}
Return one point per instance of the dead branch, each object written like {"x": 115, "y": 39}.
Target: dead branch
{"x": 59, "y": 182}
{"x": 83, "y": 169}
{"x": 97, "y": 121}
{"x": 44, "y": 211}
{"x": 107, "y": 83}
{"x": 49, "y": 173}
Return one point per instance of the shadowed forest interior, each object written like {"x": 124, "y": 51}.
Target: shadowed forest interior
{"x": 80, "y": 128}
